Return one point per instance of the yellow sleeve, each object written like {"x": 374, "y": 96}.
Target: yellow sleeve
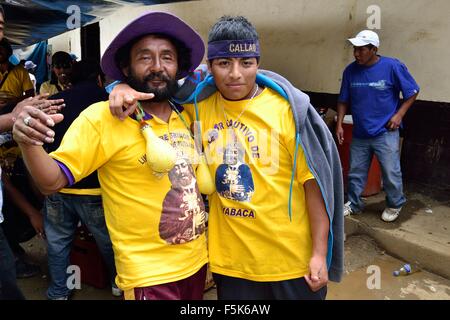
{"x": 43, "y": 88}
{"x": 81, "y": 149}
{"x": 303, "y": 173}
{"x": 46, "y": 87}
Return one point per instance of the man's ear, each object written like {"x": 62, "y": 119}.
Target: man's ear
{"x": 100, "y": 81}
{"x": 126, "y": 71}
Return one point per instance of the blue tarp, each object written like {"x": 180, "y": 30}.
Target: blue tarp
{"x": 39, "y": 57}
{"x": 31, "y": 21}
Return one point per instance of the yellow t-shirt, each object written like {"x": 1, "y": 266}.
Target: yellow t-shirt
{"x": 82, "y": 192}
{"x": 50, "y": 88}
{"x": 155, "y": 225}
{"x": 18, "y": 81}
{"x": 250, "y": 235}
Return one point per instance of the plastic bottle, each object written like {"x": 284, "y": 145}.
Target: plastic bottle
{"x": 404, "y": 270}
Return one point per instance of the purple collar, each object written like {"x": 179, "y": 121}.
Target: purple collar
{"x": 148, "y": 116}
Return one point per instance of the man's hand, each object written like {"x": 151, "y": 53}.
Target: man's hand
{"x": 37, "y": 221}
{"x": 318, "y": 273}
{"x": 123, "y": 96}
{"x": 237, "y": 188}
{"x": 199, "y": 219}
{"x": 395, "y": 122}
{"x": 340, "y": 134}
{"x": 40, "y": 102}
{"x": 32, "y": 126}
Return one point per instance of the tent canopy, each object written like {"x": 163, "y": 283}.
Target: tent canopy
{"x": 31, "y": 21}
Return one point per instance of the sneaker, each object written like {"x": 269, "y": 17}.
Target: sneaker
{"x": 116, "y": 292}
{"x": 348, "y": 209}
{"x": 390, "y": 214}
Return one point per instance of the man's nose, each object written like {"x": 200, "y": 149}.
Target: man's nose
{"x": 156, "y": 65}
{"x": 235, "y": 71}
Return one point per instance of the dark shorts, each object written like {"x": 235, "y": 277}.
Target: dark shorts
{"x": 229, "y": 288}
{"x": 190, "y": 288}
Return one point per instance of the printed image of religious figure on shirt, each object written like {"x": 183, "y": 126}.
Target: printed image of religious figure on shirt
{"x": 234, "y": 179}
{"x": 183, "y": 217}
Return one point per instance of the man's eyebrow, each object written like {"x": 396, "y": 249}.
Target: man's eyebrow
{"x": 143, "y": 50}
{"x": 165, "y": 51}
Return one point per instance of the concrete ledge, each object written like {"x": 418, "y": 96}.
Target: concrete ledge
{"x": 426, "y": 254}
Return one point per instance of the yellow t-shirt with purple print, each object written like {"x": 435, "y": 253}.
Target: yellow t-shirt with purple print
{"x": 156, "y": 222}
{"x": 250, "y": 146}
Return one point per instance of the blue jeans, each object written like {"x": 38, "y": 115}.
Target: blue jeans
{"x": 386, "y": 148}
{"x": 8, "y": 284}
{"x": 62, "y": 213}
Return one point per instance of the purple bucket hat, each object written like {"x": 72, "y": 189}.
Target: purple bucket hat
{"x": 154, "y": 22}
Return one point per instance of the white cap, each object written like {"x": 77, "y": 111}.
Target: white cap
{"x": 364, "y": 38}
{"x": 30, "y": 65}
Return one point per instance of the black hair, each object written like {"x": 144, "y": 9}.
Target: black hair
{"x": 5, "y": 44}
{"x": 59, "y": 58}
{"x": 122, "y": 57}
{"x": 2, "y": 12}
{"x": 86, "y": 70}
{"x": 232, "y": 28}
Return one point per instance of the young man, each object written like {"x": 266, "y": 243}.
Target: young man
{"x": 371, "y": 86}
{"x": 150, "y": 54}
{"x": 15, "y": 83}
{"x": 61, "y": 74}
{"x": 256, "y": 249}
{"x": 8, "y": 284}
{"x": 20, "y": 206}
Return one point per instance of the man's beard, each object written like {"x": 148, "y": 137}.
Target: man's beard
{"x": 162, "y": 94}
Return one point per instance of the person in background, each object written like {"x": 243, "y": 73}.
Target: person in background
{"x": 15, "y": 83}
{"x": 8, "y": 283}
{"x": 30, "y": 66}
{"x": 81, "y": 201}
{"x": 61, "y": 69}
{"x": 20, "y": 204}
{"x": 371, "y": 87}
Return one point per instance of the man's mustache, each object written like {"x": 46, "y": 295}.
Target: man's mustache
{"x": 157, "y": 76}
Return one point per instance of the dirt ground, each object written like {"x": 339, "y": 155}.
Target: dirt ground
{"x": 361, "y": 252}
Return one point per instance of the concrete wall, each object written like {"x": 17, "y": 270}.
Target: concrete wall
{"x": 69, "y": 42}
{"x": 305, "y": 40}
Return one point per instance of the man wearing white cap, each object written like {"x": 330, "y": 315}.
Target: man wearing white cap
{"x": 371, "y": 86}
{"x": 30, "y": 65}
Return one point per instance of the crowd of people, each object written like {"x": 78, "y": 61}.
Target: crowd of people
{"x": 273, "y": 225}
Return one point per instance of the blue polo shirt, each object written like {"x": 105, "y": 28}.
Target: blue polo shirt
{"x": 373, "y": 93}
